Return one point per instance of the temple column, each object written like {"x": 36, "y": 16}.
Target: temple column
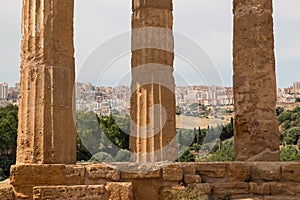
{"x": 46, "y": 133}
{"x": 153, "y": 129}
{"x": 254, "y": 81}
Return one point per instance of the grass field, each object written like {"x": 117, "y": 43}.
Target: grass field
{"x": 189, "y": 122}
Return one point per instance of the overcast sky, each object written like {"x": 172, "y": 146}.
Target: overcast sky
{"x": 205, "y": 22}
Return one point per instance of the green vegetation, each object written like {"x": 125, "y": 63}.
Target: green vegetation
{"x": 211, "y": 144}
{"x": 289, "y": 153}
{"x": 289, "y": 125}
{"x": 8, "y": 139}
{"x": 102, "y": 139}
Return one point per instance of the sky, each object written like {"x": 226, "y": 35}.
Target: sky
{"x": 204, "y": 24}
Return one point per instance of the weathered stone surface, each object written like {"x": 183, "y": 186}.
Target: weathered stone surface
{"x": 232, "y": 188}
{"x": 151, "y": 174}
{"x": 6, "y": 192}
{"x": 46, "y": 132}
{"x": 81, "y": 192}
{"x": 282, "y": 197}
{"x": 66, "y": 181}
{"x": 197, "y": 191}
{"x": 189, "y": 178}
{"x": 152, "y": 104}
{"x": 241, "y": 197}
{"x": 32, "y": 175}
{"x": 172, "y": 172}
{"x": 146, "y": 189}
{"x": 119, "y": 191}
{"x": 189, "y": 168}
{"x": 238, "y": 171}
{"x": 266, "y": 171}
{"x": 152, "y": 17}
{"x": 141, "y": 171}
{"x": 254, "y": 82}
{"x": 262, "y": 189}
{"x": 163, "y": 57}
{"x": 161, "y": 4}
{"x": 279, "y": 188}
{"x": 212, "y": 170}
{"x": 291, "y": 171}
{"x": 102, "y": 171}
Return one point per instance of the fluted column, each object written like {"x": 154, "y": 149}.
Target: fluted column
{"x": 153, "y": 130}
{"x": 46, "y": 131}
{"x": 254, "y": 81}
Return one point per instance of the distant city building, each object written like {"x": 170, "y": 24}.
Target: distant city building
{"x": 107, "y": 100}
{"x": 3, "y": 90}
{"x": 296, "y": 87}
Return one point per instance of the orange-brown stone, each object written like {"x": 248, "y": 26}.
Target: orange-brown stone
{"x": 254, "y": 82}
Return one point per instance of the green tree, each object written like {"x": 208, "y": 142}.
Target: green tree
{"x": 290, "y": 136}
{"x": 185, "y": 137}
{"x": 115, "y": 132}
{"x": 225, "y": 153}
{"x": 89, "y": 134}
{"x": 227, "y": 131}
{"x": 102, "y": 157}
{"x": 123, "y": 155}
{"x": 8, "y": 138}
{"x": 279, "y": 110}
{"x": 186, "y": 155}
{"x": 289, "y": 153}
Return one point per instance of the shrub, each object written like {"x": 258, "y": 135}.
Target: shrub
{"x": 123, "y": 156}
{"x": 289, "y": 153}
{"x": 102, "y": 157}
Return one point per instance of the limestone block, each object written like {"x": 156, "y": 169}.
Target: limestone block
{"x": 189, "y": 178}
{"x": 6, "y": 192}
{"x": 140, "y": 171}
{"x": 152, "y": 38}
{"x": 268, "y": 171}
{"x": 151, "y": 174}
{"x": 102, "y": 171}
{"x": 243, "y": 197}
{"x": 232, "y": 188}
{"x": 212, "y": 170}
{"x": 279, "y": 188}
{"x": 31, "y": 175}
{"x": 145, "y": 56}
{"x": 172, "y": 172}
{"x": 291, "y": 171}
{"x": 262, "y": 189}
{"x": 146, "y": 189}
{"x": 162, "y": 4}
{"x": 23, "y": 192}
{"x": 238, "y": 171}
{"x": 80, "y": 192}
{"x": 119, "y": 191}
{"x": 169, "y": 184}
{"x": 203, "y": 188}
{"x": 282, "y": 197}
{"x": 152, "y": 17}
{"x": 191, "y": 192}
{"x": 189, "y": 168}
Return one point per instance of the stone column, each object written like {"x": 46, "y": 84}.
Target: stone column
{"x": 256, "y": 129}
{"x": 153, "y": 130}
{"x": 46, "y": 132}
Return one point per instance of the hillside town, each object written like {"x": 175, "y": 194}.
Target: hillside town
{"x": 104, "y": 100}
